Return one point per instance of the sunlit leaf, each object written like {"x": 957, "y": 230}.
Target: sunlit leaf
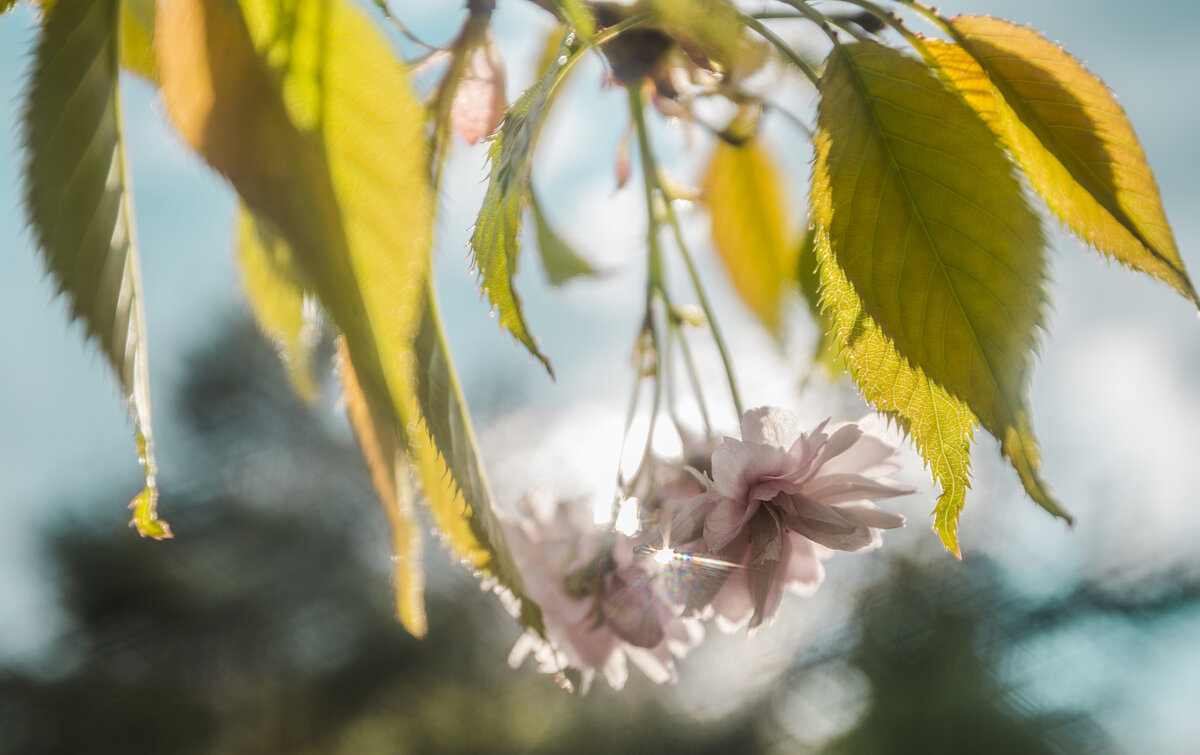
{"x": 80, "y": 206}
{"x": 1072, "y": 138}
{"x": 575, "y": 13}
{"x": 276, "y": 298}
{"x": 749, "y": 225}
{"x": 827, "y": 351}
{"x": 927, "y": 220}
{"x": 137, "y": 34}
{"x": 941, "y": 426}
{"x": 559, "y": 260}
{"x": 335, "y": 160}
{"x": 462, "y": 503}
{"x": 495, "y": 242}
{"x": 376, "y": 435}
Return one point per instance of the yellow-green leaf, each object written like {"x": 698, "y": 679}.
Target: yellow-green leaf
{"x": 559, "y": 260}
{"x": 827, "y": 352}
{"x": 276, "y": 297}
{"x": 380, "y": 446}
{"x": 495, "y": 242}
{"x": 941, "y": 426}
{"x": 347, "y": 193}
{"x": 749, "y": 225}
{"x": 927, "y": 219}
{"x": 137, "y": 33}
{"x": 309, "y": 115}
{"x": 1072, "y": 138}
{"x": 448, "y": 464}
{"x": 6, "y": 5}
{"x": 81, "y": 209}
{"x": 578, "y": 16}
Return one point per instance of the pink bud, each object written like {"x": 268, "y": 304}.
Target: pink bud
{"x": 479, "y": 101}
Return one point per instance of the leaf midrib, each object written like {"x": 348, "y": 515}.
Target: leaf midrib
{"x": 899, "y": 175}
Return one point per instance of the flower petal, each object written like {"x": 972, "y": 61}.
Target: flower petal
{"x": 771, "y": 426}
{"x": 804, "y": 571}
{"x": 725, "y": 521}
{"x": 871, "y": 515}
{"x": 633, "y": 613}
{"x": 829, "y": 527}
{"x": 870, "y": 457}
{"x": 838, "y": 488}
{"x": 737, "y": 465}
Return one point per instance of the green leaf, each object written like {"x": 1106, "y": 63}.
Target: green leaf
{"x": 827, "y": 352}
{"x": 577, "y": 15}
{"x": 559, "y": 260}
{"x": 276, "y": 297}
{"x": 81, "y": 208}
{"x": 381, "y": 449}
{"x": 6, "y": 6}
{"x": 1072, "y": 138}
{"x": 137, "y": 33}
{"x": 328, "y": 144}
{"x": 464, "y": 507}
{"x": 941, "y": 426}
{"x": 495, "y": 242}
{"x": 926, "y": 218}
{"x": 749, "y": 225}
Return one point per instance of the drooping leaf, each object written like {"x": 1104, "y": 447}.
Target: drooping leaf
{"x": 276, "y": 297}
{"x": 495, "y": 242}
{"x": 1072, "y": 138}
{"x": 327, "y": 143}
{"x": 137, "y": 33}
{"x": 81, "y": 208}
{"x": 381, "y": 448}
{"x": 827, "y": 351}
{"x": 749, "y": 225}
{"x": 577, "y": 15}
{"x": 926, "y": 218}
{"x": 462, "y": 504}
{"x": 559, "y": 260}
{"x": 941, "y": 426}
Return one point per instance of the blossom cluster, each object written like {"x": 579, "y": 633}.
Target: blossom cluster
{"x": 776, "y": 504}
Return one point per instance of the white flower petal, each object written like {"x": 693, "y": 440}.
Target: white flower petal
{"x": 725, "y": 521}
{"x": 838, "y": 488}
{"x": 771, "y": 426}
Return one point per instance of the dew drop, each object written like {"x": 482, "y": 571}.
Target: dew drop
{"x": 570, "y": 39}
{"x": 562, "y": 60}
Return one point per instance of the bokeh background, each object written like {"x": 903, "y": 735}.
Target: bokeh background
{"x": 265, "y": 625}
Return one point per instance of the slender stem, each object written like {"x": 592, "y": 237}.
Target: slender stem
{"x": 784, "y": 49}
{"x": 726, "y": 361}
{"x": 653, "y": 185}
{"x": 815, "y": 16}
{"x": 387, "y": 13}
{"x": 929, "y": 13}
{"x": 893, "y": 20}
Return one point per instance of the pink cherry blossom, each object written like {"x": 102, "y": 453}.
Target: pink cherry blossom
{"x": 602, "y": 604}
{"x": 479, "y": 101}
{"x": 779, "y": 501}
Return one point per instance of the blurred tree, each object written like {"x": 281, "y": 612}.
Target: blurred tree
{"x": 269, "y": 628}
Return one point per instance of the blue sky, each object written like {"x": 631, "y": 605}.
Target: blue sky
{"x": 1116, "y": 393}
